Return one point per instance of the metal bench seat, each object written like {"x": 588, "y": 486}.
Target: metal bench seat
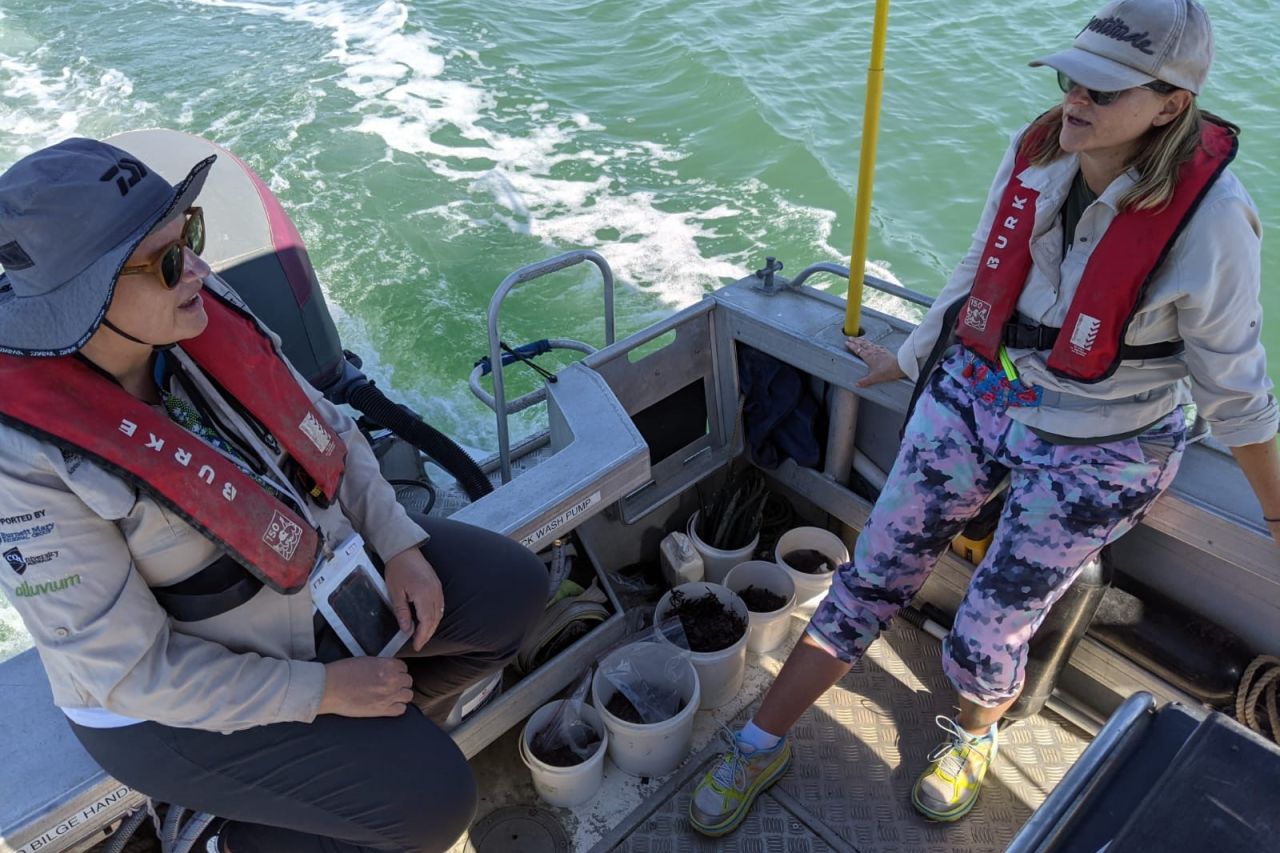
{"x": 56, "y": 798}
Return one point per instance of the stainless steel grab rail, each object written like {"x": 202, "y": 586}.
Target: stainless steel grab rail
{"x": 523, "y": 276}
{"x": 878, "y": 283}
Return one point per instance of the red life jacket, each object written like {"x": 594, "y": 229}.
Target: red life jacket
{"x": 1091, "y": 344}
{"x": 68, "y": 402}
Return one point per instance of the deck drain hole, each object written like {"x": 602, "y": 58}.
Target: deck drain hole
{"x": 519, "y": 829}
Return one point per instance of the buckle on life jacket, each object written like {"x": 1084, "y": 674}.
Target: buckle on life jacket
{"x": 304, "y": 483}
{"x": 1019, "y": 334}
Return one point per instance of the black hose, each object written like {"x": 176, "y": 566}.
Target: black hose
{"x": 126, "y": 831}
{"x": 426, "y": 486}
{"x": 375, "y": 405}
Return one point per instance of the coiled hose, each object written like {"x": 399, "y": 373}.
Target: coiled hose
{"x": 370, "y": 401}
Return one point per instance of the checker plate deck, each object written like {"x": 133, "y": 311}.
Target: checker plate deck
{"x": 857, "y": 753}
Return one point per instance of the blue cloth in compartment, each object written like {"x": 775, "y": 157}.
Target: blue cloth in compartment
{"x": 780, "y": 413}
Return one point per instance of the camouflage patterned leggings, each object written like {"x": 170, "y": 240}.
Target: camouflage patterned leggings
{"x": 1064, "y": 503}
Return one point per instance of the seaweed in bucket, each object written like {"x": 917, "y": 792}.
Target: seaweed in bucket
{"x": 810, "y": 561}
{"x": 761, "y": 600}
{"x": 709, "y": 624}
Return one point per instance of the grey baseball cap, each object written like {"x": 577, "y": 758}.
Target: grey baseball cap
{"x": 1133, "y": 42}
{"x": 70, "y": 216}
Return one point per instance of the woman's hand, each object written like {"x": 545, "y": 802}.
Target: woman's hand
{"x": 366, "y": 687}
{"x": 411, "y": 580}
{"x": 882, "y": 365}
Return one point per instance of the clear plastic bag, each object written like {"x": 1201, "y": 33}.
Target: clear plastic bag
{"x": 650, "y": 682}
{"x": 567, "y": 728}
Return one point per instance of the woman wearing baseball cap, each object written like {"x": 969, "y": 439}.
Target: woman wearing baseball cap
{"x": 172, "y": 485}
{"x": 1113, "y": 280}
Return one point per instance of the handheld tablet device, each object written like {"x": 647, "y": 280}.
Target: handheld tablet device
{"x": 352, "y": 597}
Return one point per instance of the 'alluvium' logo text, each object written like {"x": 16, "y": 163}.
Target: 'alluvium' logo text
{"x": 26, "y": 589}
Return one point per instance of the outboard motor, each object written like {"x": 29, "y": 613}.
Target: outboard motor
{"x": 252, "y": 243}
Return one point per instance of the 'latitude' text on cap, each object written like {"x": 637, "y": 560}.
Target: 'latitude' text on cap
{"x": 1117, "y": 29}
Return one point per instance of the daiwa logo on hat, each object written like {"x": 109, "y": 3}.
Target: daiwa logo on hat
{"x": 14, "y": 257}
{"x": 136, "y": 172}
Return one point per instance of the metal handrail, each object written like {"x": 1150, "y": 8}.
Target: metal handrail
{"x": 522, "y": 276}
{"x": 535, "y": 396}
{"x": 878, "y": 283}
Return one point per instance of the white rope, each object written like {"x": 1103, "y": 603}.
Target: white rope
{"x": 1260, "y": 691}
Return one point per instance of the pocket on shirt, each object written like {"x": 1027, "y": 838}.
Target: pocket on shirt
{"x": 109, "y": 495}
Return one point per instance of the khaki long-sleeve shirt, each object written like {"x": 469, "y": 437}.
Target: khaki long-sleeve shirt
{"x": 92, "y": 546}
{"x": 1206, "y": 293}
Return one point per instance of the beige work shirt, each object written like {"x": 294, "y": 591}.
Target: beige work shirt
{"x": 92, "y": 546}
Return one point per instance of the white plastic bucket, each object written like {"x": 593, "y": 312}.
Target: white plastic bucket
{"x": 715, "y": 562}
{"x": 564, "y": 786}
{"x": 768, "y": 630}
{"x": 811, "y": 588}
{"x": 649, "y": 749}
{"x": 719, "y": 673}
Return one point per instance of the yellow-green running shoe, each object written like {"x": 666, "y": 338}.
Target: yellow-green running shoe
{"x": 724, "y": 796}
{"x": 949, "y": 788}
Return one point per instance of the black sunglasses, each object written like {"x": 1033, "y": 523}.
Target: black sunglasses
{"x": 172, "y": 261}
{"x": 1106, "y": 99}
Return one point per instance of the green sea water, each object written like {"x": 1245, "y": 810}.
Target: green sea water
{"x": 427, "y": 148}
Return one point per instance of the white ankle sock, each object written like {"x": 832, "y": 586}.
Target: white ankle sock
{"x": 758, "y": 738}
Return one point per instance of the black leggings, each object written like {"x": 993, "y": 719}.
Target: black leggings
{"x": 346, "y": 785}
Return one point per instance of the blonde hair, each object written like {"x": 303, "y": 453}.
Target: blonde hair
{"x": 1157, "y": 160}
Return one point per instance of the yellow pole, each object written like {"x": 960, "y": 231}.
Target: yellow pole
{"x": 866, "y": 169}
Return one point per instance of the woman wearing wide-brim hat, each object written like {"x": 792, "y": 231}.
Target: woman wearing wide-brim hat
{"x": 1113, "y": 281}
{"x": 170, "y": 488}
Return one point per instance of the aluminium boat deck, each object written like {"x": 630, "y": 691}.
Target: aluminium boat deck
{"x": 856, "y": 756}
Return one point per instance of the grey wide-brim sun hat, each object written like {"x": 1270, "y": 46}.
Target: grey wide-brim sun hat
{"x": 70, "y": 217}
{"x": 1131, "y": 43}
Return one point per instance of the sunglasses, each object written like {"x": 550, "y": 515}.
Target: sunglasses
{"x": 1106, "y": 99}
{"x": 172, "y": 261}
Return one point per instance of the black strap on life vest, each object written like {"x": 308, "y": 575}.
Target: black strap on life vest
{"x": 1020, "y": 334}
{"x": 221, "y": 586}
{"x": 945, "y": 338}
